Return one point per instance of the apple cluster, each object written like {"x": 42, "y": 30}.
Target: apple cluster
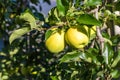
{"x": 77, "y": 37}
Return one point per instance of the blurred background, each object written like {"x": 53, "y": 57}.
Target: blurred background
{"x": 26, "y": 58}
{"x": 42, "y": 6}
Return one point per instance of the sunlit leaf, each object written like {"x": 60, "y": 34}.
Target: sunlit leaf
{"x": 108, "y": 41}
{"x": 73, "y": 75}
{"x": 115, "y": 73}
{"x": 107, "y": 53}
{"x": 53, "y": 16}
{"x": 18, "y": 33}
{"x": 56, "y": 14}
{"x": 116, "y": 60}
{"x": 60, "y": 7}
{"x": 85, "y": 57}
{"x": 54, "y": 78}
{"x": 12, "y": 52}
{"x": 93, "y": 2}
{"x": 100, "y": 73}
{"x": 28, "y": 16}
{"x": 70, "y": 56}
{"x": 88, "y": 20}
{"x": 2, "y": 53}
{"x": 5, "y": 77}
{"x": 78, "y": 56}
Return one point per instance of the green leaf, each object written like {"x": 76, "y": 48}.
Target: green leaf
{"x": 115, "y": 73}
{"x": 67, "y": 4}
{"x": 117, "y": 21}
{"x": 28, "y": 16}
{"x": 53, "y": 16}
{"x": 61, "y": 8}
{"x": 47, "y": 34}
{"x": 100, "y": 73}
{"x": 77, "y": 56}
{"x": 5, "y": 77}
{"x": 12, "y": 52}
{"x": 93, "y": 2}
{"x": 88, "y": 20}
{"x": 93, "y": 54}
{"x": 107, "y": 53}
{"x": 117, "y": 6}
{"x": 116, "y": 60}
{"x": 18, "y": 33}
{"x": 70, "y": 56}
{"x": 73, "y": 75}
{"x": 108, "y": 41}
{"x": 86, "y": 57}
{"x": 115, "y": 39}
{"x": 56, "y": 14}
{"x": 54, "y": 78}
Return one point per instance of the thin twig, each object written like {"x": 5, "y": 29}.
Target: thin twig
{"x": 92, "y": 44}
{"x": 92, "y": 11}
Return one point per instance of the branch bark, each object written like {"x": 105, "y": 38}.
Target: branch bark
{"x": 99, "y": 35}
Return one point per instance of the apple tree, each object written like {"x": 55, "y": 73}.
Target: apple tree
{"x": 78, "y": 40}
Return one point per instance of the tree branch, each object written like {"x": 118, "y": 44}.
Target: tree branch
{"x": 99, "y": 35}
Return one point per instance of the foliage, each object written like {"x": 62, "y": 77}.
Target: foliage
{"x": 25, "y": 55}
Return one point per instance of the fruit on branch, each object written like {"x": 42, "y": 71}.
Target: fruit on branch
{"x": 56, "y": 43}
{"x": 76, "y": 37}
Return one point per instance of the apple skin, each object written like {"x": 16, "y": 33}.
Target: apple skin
{"x": 56, "y": 43}
{"x": 76, "y": 37}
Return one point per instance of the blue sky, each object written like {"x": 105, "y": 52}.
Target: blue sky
{"x": 46, "y": 7}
